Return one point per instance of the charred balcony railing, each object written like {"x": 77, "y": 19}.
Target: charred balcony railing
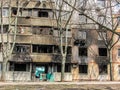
{"x": 102, "y": 59}
{"x": 21, "y": 57}
{"x": 57, "y": 58}
{"x": 37, "y": 21}
{"x": 83, "y": 60}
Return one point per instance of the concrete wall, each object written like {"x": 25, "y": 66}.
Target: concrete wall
{"x": 57, "y": 76}
{"x": 18, "y": 76}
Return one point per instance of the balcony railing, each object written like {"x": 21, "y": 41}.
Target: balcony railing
{"x": 83, "y": 60}
{"x": 37, "y": 21}
{"x": 102, "y": 59}
{"x": 21, "y": 57}
{"x": 58, "y": 58}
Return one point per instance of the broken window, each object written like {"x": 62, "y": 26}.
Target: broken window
{"x": 83, "y": 69}
{"x": 42, "y": 14}
{"x": 22, "y": 49}
{"x": 69, "y": 50}
{"x": 67, "y": 68}
{"x": 42, "y": 48}
{"x": 102, "y": 69}
{"x": 19, "y": 67}
{"x": 5, "y": 29}
{"x": 82, "y": 51}
{"x": 102, "y": 51}
{"x": 58, "y": 68}
{"x": 14, "y": 11}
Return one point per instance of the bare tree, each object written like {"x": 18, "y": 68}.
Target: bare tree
{"x": 7, "y": 46}
{"x": 101, "y": 13}
{"x": 63, "y": 13}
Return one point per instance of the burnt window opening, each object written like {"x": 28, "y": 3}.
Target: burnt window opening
{"x": 102, "y": 51}
{"x": 51, "y": 32}
{"x": 5, "y": 29}
{"x": 58, "y": 68}
{"x": 42, "y": 14}
{"x": 42, "y": 48}
{"x": 19, "y": 67}
{"x": 56, "y": 49}
{"x": 83, "y": 52}
{"x": 103, "y": 69}
{"x": 78, "y": 42}
{"x": 67, "y": 68}
{"x": 83, "y": 69}
{"x": 22, "y": 49}
{"x": 14, "y": 11}
{"x": 69, "y": 50}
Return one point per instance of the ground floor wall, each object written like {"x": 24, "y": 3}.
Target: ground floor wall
{"x": 91, "y": 73}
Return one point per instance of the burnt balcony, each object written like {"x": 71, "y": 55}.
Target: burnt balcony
{"x": 83, "y": 60}
{"x": 41, "y": 57}
{"x": 21, "y": 57}
{"x": 32, "y": 4}
{"x": 102, "y": 59}
{"x": 37, "y": 21}
{"x": 39, "y": 39}
{"x": 57, "y": 58}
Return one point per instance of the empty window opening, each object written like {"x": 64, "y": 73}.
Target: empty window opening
{"x": 58, "y": 68}
{"x": 42, "y": 14}
{"x": 5, "y": 29}
{"x": 42, "y": 48}
{"x": 102, "y": 51}
{"x": 56, "y": 49}
{"x": 14, "y": 11}
{"x": 22, "y": 49}
{"x": 82, "y": 51}
{"x": 83, "y": 69}
{"x": 19, "y": 67}
{"x": 67, "y": 68}
{"x": 69, "y": 50}
{"x": 102, "y": 69}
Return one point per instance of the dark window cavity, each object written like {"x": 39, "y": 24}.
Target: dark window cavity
{"x": 102, "y": 51}
{"x": 83, "y": 69}
{"x": 82, "y": 51}
{"x": 102, "y": 69}
{"x": 42, "y": 14}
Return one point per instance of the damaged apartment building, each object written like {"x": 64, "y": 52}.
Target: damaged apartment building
{"x": 36, "y": 45}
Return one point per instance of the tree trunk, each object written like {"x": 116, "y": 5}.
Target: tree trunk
{"x": 3, "y": 76}
{"x": 110, "y": 61}
{"x": 63, "y": 67}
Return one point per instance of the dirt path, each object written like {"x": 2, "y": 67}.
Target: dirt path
{"x": 60, "y": 86}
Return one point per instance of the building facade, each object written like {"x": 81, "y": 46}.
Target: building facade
{"x": 36, "y": 46}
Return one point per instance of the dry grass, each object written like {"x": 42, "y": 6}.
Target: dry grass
{"x": 61, "y": 87}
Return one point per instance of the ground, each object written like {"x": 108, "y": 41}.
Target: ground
{"x": 89, "y": 85}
